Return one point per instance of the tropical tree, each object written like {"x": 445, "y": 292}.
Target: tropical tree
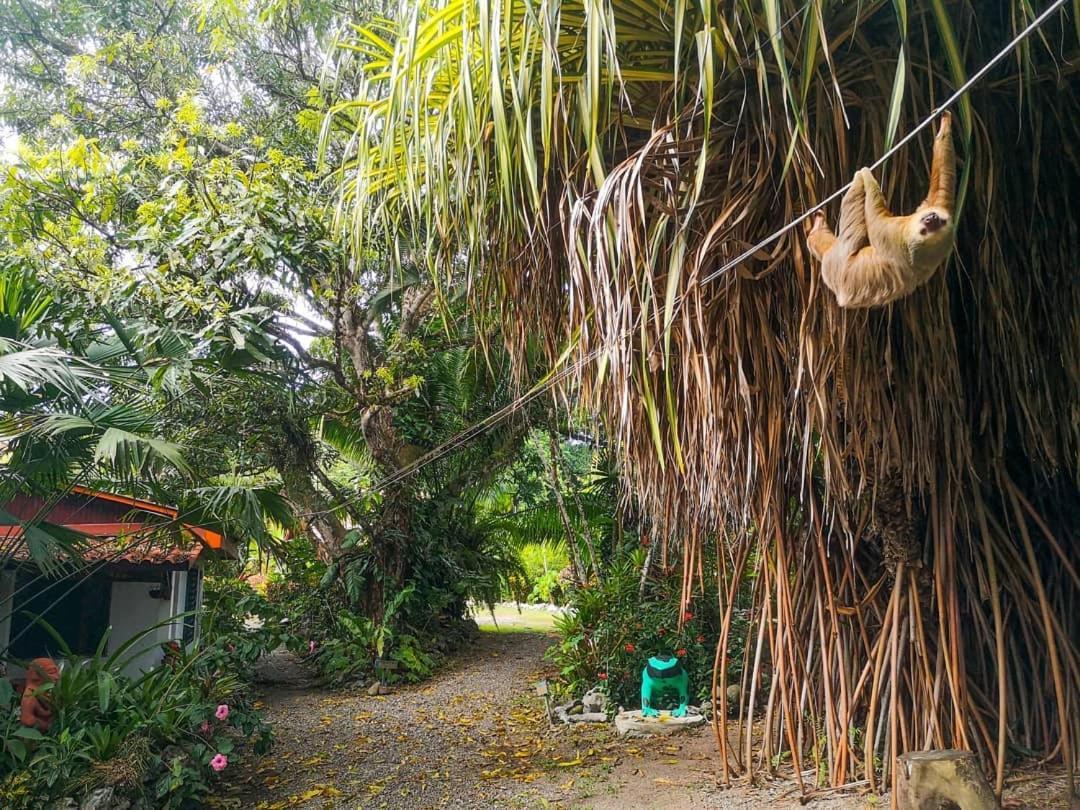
{"x": 166, "y": 180}
{"x": 902, "y": 481}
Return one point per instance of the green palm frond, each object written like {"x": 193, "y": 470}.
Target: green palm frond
{"x": 24, "y": 304}
{"x": 347, "y": 439}
{"x": 240, "y": 512}
{"x": 49, "y": 546}
{"x": 30, "y": 368}
{"x": 114, "y": 437}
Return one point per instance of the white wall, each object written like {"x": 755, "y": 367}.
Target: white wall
{"x": 133, "y": 610}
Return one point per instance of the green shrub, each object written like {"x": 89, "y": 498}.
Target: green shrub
{"x": 541, "y": 564}
{"x": 611, "y": 632}
{"x": 153, "y": 737}
{"x": 450, "y": 561}
{"x": 226, "y": 635}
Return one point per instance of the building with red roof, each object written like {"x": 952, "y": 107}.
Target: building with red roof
{"x": 139, "y": 572}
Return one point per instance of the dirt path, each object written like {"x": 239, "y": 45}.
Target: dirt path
{"x": 476, "y": 736}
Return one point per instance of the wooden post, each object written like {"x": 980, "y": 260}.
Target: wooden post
{"x": 941, "y": 780}
{"x": 382, "y": 666}
{"x": 544, "y": 691}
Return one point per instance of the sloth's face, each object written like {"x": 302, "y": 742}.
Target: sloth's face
{"x": 931, "y": 223}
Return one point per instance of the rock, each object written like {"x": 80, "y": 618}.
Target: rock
{"x": 66, "y": 803}
{"x": 577, "y": 708}
{"x": 734, "y": 694}
{"x": 99, "y": 799}
{"x": 706, "y": 709}
{"x": 588, "y": 717}
{"x": 385, "y": 690}
{"x": 594, "y": 701}
{"x": 632, "y": 724}
{"x": 374, "y": 689}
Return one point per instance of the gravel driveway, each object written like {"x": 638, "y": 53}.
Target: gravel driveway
{"x": 476, "y": 736}
{"x": 422, "y": 746}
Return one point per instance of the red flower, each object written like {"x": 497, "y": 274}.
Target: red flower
{"x": 630, "y": 648}
{"x": 680, "y": 653}
{"x": 700, "y": 639}
{"x": 687, "y": 616}
{"x": 602, "y": 676}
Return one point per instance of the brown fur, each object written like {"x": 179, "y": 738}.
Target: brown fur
{"x": 36, "y": 711}
{"x": 876, "y": 257}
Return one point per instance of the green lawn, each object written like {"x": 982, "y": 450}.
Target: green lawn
{"x": 511, "y": 619}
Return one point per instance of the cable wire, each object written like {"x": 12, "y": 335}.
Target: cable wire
{"x": 1030, "y": 29}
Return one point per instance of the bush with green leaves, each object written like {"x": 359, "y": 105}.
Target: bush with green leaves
{"x": 165, "y": 736}
{"x": 228, "y": 632}
{"x": 451, "y": 560}
{"x": 542, "y": 564}
{"x": 612, "y": 630}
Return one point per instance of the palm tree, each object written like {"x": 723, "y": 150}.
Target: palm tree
{"x": 87, "y": 405}
{"x": 903, "y": 481}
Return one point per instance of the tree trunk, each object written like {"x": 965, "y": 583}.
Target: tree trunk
{"x": 564, "y": 516}
{"x": 941, "y": 780}
{"x": 390, "y": 532}
{"x": 556, "y": 455}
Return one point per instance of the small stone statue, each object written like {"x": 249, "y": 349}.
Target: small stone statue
{"x": 36, "y": 709}
{"x": 664, "y": 674}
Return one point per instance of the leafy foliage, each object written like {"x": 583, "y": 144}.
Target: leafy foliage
{"x": 152, "y": 736}
{"x": 614, "y": 627}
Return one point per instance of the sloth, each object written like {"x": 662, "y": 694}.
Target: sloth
{"x": 876, "y": 257}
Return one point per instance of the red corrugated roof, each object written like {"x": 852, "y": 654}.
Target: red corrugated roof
{"x": 124, "y": 539}
{"x": 120, "y": 549}
{"x": 211, "y": 538}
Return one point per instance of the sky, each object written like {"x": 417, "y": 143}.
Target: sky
{"x": 9, "y": 143}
